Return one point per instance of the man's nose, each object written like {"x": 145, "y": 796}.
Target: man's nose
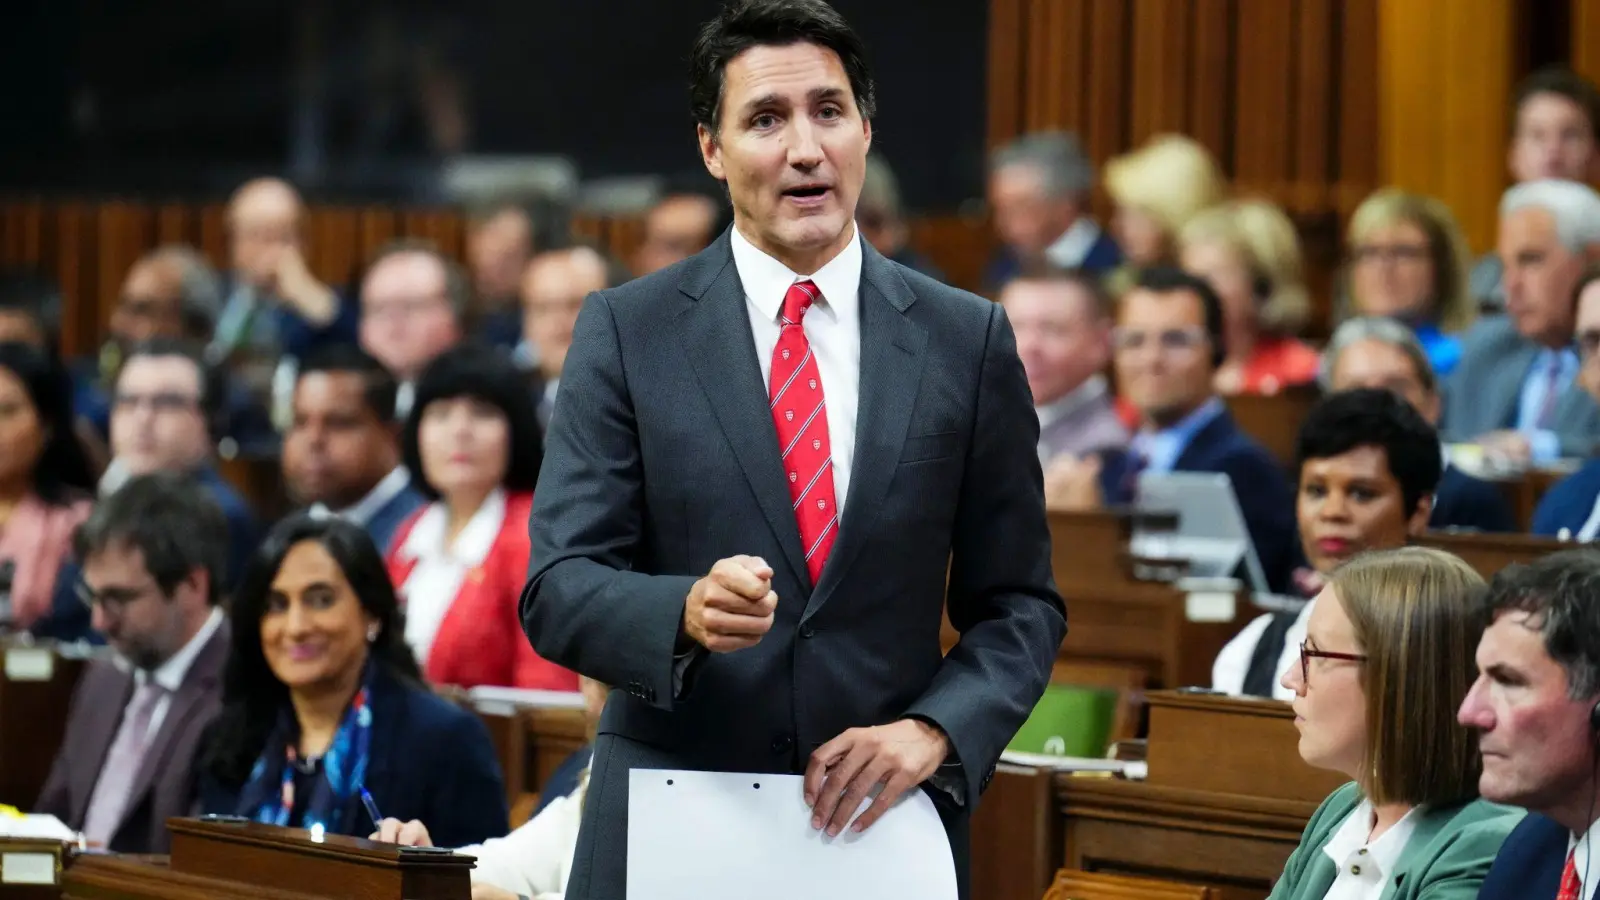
{"x": 805, "y": 148}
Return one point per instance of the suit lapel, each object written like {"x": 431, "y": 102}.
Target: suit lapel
{"x": 891, "y": 371}
{"x": 721, "y": 349}
{"x": 199, "y": 682}
{"x": 101, "y": 729}
{"x": 388, "y": 732}
{"x": 1200, "y": 444}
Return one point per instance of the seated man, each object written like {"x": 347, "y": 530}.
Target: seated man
{"x": 1368, "y": 468}
{"x": 163, "y": 414}
{"x": 532, "y": 861}
{"x": 1536, "y": 708}
{"x": 1515, "y": 391}
{"x": 1167, "y": 346}
{"x": 152, "y": 557}
{"x": 1062, "y": 320}
{"x": 342, "y": 451}
{"x": 1382, "y": 353}
{"x": 1571, "y": 509}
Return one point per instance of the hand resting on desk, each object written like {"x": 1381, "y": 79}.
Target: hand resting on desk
{"x": 415, "y": 834}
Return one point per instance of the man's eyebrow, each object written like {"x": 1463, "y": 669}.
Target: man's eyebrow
{"x": 815, "y": 95}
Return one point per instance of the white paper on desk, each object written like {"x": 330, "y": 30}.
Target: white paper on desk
{"x": 715, "y": 836}
{"x": 524, "y": 698}
{"x": 36, "y": 825}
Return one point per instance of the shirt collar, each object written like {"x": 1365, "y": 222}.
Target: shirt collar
{"x": 1351, "y": 839}
{"x": 1581, "y": 846}
{"x": 471, "y": 546}
{"x": 171, "y": 673}
{"x": 1092, "y": 389}
{"x": 766, "y": 280}
{"x": 1074, "y": 244}
{"x": 385, "y": 490}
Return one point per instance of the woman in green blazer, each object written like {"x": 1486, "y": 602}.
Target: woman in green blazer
{"x": 1387, "y": 660}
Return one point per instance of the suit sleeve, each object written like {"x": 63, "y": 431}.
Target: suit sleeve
{"x": 469, "y": 802}
{"x": 1459, "y": 870}
{"x": 1267, "y": 504}
{"x": 1001, "y": 598}
{"x": 583, "y": 607}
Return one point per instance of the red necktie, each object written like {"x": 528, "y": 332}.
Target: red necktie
{"x": 801, "y": 417}
{"x": 1569, "y": 878}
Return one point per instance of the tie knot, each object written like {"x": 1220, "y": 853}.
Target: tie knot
{"x": 799, "y": 298}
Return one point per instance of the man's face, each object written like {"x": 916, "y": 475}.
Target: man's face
{"x": 264, "y": 223}
{"x": 151, "y": 304}
{"x": 1163, "y": 354}
{"x": 1373, "y": 363}
{"x": 139, "y": 620}
{"x": 336, "y": 449}
{"x": 156, "y": 419}
{"x": 676, "y": 229}
{"x": 1538, "y": 749}
{"x": 552, "y": 295}
{"x": 406, "y": 317}
{"x": 1059, "y": 339}
{"x": 792, "y": 148}
{"x": 498, "y": 250}
{"x": 1553, "y": 139}
{"x": 1539, "y": 276}
{"x": 1026, "y": 219}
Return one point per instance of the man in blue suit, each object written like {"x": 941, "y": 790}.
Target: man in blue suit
{"x": 1536, "y": 704}
{"x": 342, "y": 451}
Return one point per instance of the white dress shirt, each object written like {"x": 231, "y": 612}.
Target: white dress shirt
{"x": 1233, "y": 663}
{"x": 435, "y": 579}
{"x": 832, "y": 326}
{"x": 171, "y": 673}
{"x": 1074, "y": 244}
{"x": 362, "y": 511}
{"x": 535, "y": 859}
{"x": 1365, "y": 868}
{"x": 1581, "y": 846}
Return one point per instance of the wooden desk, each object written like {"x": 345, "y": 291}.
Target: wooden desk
{"x": 1274, "y": 419}
{"x": 1489, "y": 553}
{"x": 36, "y": 686}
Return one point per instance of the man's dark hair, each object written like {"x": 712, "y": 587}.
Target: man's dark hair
{"x": 380, "y": 386}
{"x": 1563, "y": 83}
{"x": 213, "y": 379}
{"x": 1375, "y": 417}
{"x": 743, "y": 24}
{"x": 171, "y": 519}
{"x": 1561, "y": 592}
{"x": 36, "y": 296}
{"x": 1171, "y": 280}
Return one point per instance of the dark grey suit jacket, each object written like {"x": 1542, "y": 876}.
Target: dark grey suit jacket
{"x": 662, "y": 458}
{"x": 166, "y": 784}
{"x": 1484, "y": 391}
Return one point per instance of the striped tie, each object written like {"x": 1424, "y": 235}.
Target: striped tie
{"x": 800, "y": 415}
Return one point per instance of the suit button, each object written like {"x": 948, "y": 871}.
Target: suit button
{"x": 782, "y": 743}
{"x": 807, "y": 632}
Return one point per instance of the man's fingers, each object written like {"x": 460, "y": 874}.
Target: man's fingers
{"x": 754, "y": 564}
{"x": 857, "y": 791}
{"x": 821, "y": 759}
{"x": 728, "y": 624}
{"x": 835, "y": 781}
{"x": 717, "y": 597}
{"x": 896, "y": 786}
{"x": 741, "y": 580}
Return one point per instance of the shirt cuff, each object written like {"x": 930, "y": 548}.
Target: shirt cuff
{"x": 948, "y": 780}
{"x": 1543, "y": 446}
{"x": 680, "y": 665}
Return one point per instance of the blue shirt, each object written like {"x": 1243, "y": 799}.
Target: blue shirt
{"x": 1443, "y": 350}
{"x": 1160, "y": 449}
{"x": 1536, "y": 387}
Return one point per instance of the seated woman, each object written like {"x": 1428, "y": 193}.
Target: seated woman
{"x": 1248, "y": 250}
{"x": 323, "y": 706}
{"x": 1408, "y": 261}
{"x": 534, "y": 860}
{"x": 472, "y": 446}
{"x": 1157, "y": 189}
{"x": 1368, "y": 467}
{"x": 1387, "y": 660}
{"x": 46, "y": 487}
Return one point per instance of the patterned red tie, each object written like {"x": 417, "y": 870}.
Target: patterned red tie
{"x": 1569, "y": 878}
{"x": 801, "y": 417}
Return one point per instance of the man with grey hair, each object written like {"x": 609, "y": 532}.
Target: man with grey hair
{"x": 878, "y": 212}
{"x": 1515, "y": 392}
{"x": 1039, "y": 194}
{"x": 413, "y": 303}
{"x": 1375, "y": 352}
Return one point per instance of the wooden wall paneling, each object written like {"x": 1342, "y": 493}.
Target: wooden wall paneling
{"x": 212, "y": 234}
{"x": 1210, "y": 81}
{"x": 1263, "y": 83}
{"x": 1055, "y": 63}
{"x": 126, "y": 231}
{"x": 379, "y": 225}
{"x": 1357, "y": 138}
{"x": 1006, "y": 62}
{"x": 961, "y": 247}
{"x": 1105, "y": 123}
{"x": 627, "y": 234}
{"x": 176, "y": 223}
{"x": 20, "y": 244}
{"x": 1584, "y": 19}
{"x": 333, "y": 243}
{"x": 72, "y": 265}
{"x": 1312, "y": 106}
{"x": 1161, "y": 52}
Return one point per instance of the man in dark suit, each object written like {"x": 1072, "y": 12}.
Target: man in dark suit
{"x": 1039, "y": 188}
{"x": 553, "y": 288}
{"x": 1373, "y": 352}
{"x": 341, "y": 453}
{"x": 1167, "y": 345}
{"x": 1536, "y": 705}
{"x": 152, "y": 556}
{"x": 690, "y": 437}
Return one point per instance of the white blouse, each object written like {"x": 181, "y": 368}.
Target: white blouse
{"x": 1365, "y": 869}
{"x": 436, "y": 577}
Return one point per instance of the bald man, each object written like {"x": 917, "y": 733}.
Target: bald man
{"x": 676, "y": 228}
{"x": 553, "y": 288}
{"x": 413, "y": 303}
{"x": 499, "y": 246}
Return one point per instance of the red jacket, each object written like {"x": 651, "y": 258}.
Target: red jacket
{"x": 481, "y": 641}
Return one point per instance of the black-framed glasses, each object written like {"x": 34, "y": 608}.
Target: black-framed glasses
{"x": 114, "y": 600}
{"x": 1307, "y": 654}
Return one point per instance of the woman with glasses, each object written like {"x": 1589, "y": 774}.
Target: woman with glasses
{"x": 1570, "y": 510}
{"x": 1408, "y": 261}
{"x": 1387, "y": 659}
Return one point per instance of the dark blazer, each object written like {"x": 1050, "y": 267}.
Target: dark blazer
{"x": 1530, "y": 862}
{"x": 390, "y": 516}
{"x": 662, "y": 459}
{"x": 165, "y": 784}
{"x": 69, "y": 618}
{"x": 1569, "y": 503}
{"x": 1259, "y": 483}
{"x": 244, "y": 531}
{"x": 429, "y": 760}
{"x": 1485, "y": 391}
{"x": 1104, "y": 256}
{"x": 1467, "y": 503}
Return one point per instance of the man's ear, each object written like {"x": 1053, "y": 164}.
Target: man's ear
{"x": 1418, "y": 523}
{"x": 866, "y": 128}
{"x": 710, "y": 152}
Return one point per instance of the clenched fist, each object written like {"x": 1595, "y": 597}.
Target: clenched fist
{"x": 731, "y": 608}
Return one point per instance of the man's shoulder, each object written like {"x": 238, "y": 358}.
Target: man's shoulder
{"x": 1490, "y": 336}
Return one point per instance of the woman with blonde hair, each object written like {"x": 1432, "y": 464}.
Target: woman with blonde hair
{"x": 1408, "y": 261}
{"x": 1249, "y": 252}
{"x": 1388, "y": 658}
{"x": 1157, "y": 189}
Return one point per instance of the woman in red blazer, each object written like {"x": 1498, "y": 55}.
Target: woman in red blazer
{"x": 472, "y": 444}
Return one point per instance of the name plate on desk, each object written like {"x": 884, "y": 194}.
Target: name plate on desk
{"x": 30, "y": 664}
{"x": 17, "y": 867}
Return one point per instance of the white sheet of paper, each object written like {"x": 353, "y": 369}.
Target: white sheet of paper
{"x": 716, "y": 836}
{"x": 36, "y": 825}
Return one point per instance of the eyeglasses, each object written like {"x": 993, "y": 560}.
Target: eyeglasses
{"x": 1307, "y": 654}
{"x": 114, "y": 600}
{"x": 1397, "y": 253}
{"x": 161, "y": 402}
{"x": 1173, "y": 340}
